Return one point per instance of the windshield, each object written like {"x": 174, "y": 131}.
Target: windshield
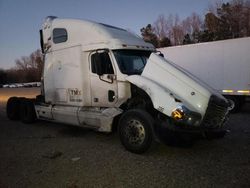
{"x": 131, "y": 61}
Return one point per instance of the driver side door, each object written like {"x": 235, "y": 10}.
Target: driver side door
{"x": 104, "y": 87}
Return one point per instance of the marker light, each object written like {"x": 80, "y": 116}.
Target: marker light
{"x": 243, "y": 91}
{"x": 227, "y": 91}
{"x": 178, "y": 114}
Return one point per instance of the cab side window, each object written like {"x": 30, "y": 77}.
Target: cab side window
{"x": 60, "y": 35}
{"x": 105, "y": 61}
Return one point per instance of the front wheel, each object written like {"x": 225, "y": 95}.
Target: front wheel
{"x": 136, "y": 130}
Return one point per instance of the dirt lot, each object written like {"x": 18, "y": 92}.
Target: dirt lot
{"x": 53, "y": 155}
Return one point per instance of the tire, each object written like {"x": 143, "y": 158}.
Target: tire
{"x": 27, "y": 111}
{"x": 40, "y": 98}
{"x": 238, "y": 102}
{"x": 136, "y": 130}
{"x": 12, "y": 108}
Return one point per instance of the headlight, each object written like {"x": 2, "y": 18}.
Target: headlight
{"x": 178, "y": 114}
{"x": 185, "y": 116}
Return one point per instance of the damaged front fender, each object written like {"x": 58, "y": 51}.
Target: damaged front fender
{"x": 162, "y": 99}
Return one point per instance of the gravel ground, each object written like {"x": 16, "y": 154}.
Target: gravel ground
{"x": 46, "y": 154}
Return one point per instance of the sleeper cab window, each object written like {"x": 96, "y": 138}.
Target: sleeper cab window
{"x": 60, "y": 35}
{"x": 105, "y": 62}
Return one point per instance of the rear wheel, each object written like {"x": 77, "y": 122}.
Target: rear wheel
{"x": 12, "y": 108}
{"x": 27, "y": 111}
{"x": 136, "y": 130}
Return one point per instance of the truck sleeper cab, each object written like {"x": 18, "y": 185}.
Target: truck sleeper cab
{"x": 99, "y": 76}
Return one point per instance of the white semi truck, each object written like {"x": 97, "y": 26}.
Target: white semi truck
{"x": 99, "y": 76}
{"x": 224, "y": 65}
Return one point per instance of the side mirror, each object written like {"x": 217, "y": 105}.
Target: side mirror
{"x": 160, "y": 54}
{"x": 41, "y": 41}
{"x": 98, "y": 64}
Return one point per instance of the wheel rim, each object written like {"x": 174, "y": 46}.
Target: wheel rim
{"x": 135, "y": 132}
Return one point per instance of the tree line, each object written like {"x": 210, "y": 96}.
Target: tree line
{"x": 223, "y": 21}
{"x": 27, "y": 69}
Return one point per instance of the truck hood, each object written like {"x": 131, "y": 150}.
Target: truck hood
{"x": 180, "y": 85}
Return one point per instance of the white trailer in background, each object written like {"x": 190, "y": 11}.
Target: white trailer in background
{"x": 224, "y": 65}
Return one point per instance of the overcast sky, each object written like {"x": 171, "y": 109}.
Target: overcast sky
{"x": 20, "y": 20}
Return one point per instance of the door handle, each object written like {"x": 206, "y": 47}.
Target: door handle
{"x": 111, "y": 95}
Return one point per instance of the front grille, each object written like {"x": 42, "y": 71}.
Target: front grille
{"x": 216, "y": 113}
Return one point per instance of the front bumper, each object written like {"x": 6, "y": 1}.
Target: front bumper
{"x": 214, "y": 119}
